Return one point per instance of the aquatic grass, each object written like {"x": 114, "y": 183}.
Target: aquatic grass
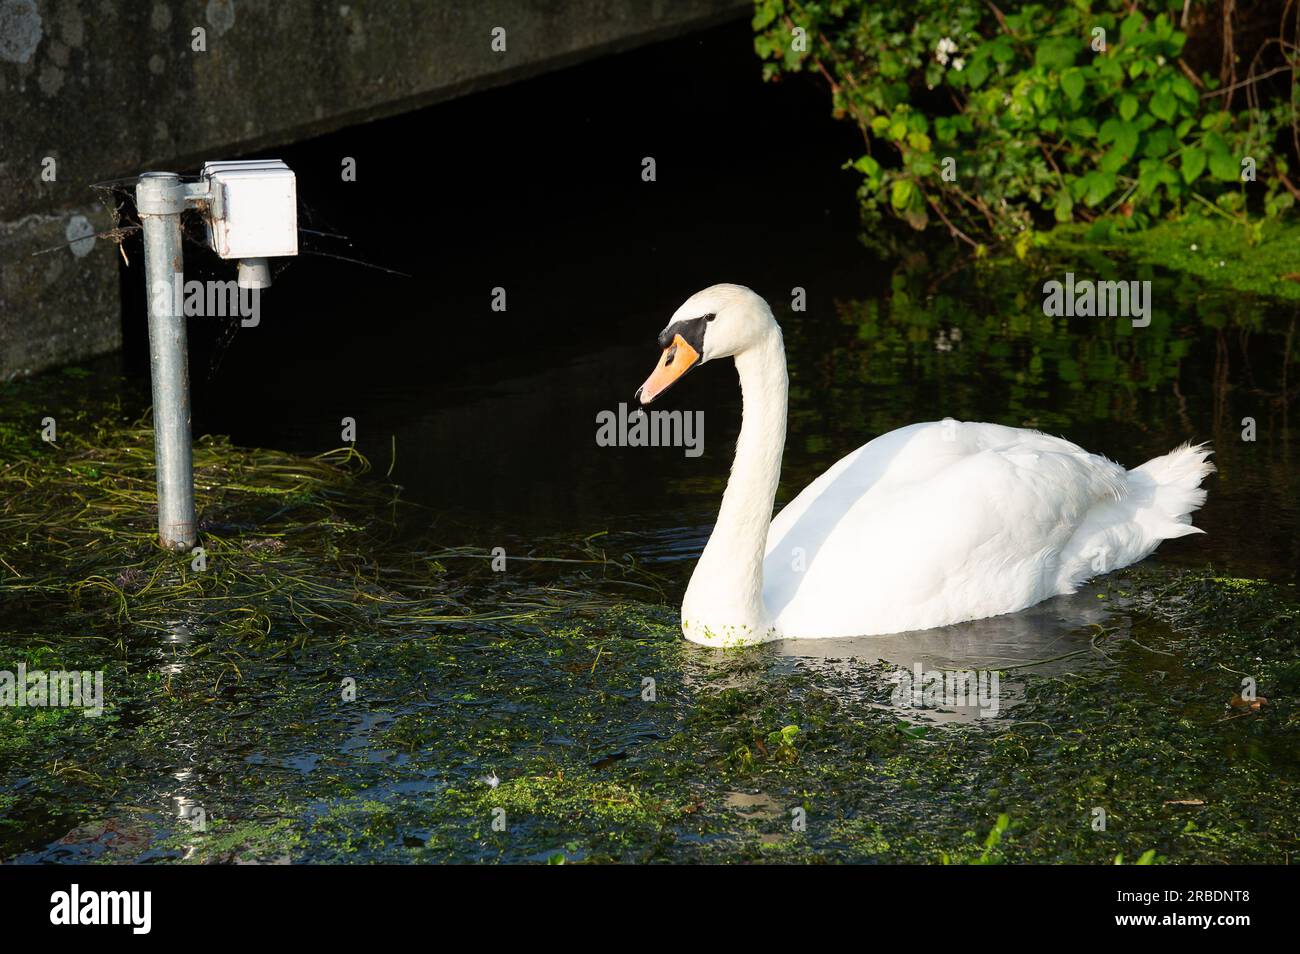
{"x": 290, "y": 544}
{"x": 225, "y": 691}
{"x": 309, "y": 571}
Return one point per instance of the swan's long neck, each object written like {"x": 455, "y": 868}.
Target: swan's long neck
{"x": 724, "y": 601}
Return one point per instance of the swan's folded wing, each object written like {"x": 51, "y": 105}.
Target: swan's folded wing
{"x": 931, "y": 525}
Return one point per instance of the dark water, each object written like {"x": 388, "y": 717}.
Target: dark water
{"x": 537, "y": 189}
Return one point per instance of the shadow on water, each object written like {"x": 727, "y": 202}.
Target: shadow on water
{"x": 596, "y": 731}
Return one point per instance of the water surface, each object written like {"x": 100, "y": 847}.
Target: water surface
{"x": 1114, "y": 696}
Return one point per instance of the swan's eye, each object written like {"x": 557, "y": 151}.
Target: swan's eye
{"x": 709, "y": 317}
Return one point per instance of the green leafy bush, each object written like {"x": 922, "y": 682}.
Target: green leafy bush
{"x": 1042, "y": 113}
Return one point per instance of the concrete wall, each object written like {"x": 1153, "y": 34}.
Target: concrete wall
{"x": 109, "y": 88}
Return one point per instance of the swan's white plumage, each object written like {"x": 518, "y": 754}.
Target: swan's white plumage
{"x": 949, "y": 521}
{"x": 927, "y": 525}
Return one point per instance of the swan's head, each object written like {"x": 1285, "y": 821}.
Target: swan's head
{"x": 721, "y": 321}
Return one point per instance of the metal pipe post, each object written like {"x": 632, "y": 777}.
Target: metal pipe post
{"x": 160, "y": 199}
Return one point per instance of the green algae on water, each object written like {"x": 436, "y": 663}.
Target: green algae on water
{"x": 335, "y": 687}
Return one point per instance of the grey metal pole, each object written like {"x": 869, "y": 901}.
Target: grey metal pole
{"x": 160, "y": 199}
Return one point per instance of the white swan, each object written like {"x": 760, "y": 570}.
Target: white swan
{"x": 927, "y": 525}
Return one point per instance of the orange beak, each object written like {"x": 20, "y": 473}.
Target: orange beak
{"x": 678, "y": 358}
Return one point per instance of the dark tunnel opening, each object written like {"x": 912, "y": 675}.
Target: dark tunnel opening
{"x": 535, "y": 188}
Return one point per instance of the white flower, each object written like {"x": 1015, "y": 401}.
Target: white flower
{"x": 1193, "y": 246}
{"x": 945, "y": 47}
{"x": 958, "y": 63}
{"x": 942, "y": 58}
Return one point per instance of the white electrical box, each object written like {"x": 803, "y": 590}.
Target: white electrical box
{"x": 252, "y": 209}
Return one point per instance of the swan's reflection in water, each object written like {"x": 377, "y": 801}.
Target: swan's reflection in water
{"x": 1051, "y": 638}
{"x": 1057, "y": 626}
{"x": 1054, "y": 637}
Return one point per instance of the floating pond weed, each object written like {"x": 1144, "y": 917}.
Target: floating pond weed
{"x": 335, "y": 685}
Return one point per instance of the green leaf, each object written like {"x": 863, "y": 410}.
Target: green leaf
{"x": 1123, "y": 134}
{"x": 1158, "y": 142}
{"x": 1184, "y": 90}
{"x": 1224, "y": 166}
{"x": 1083, "y": 127}
{"x": 870, "y": 168}
{"x": 1113, "y": 160}
{"x": 1164, "y": 106}
{"x": 900, "y": 194}
{"x": 1073, "y": 84}
{"x": 1109, "y": 68}
{"x": 1100, "y": 185}
{"x": 764, "y": 14}
{"x": 1128, "y": 106}
{"x": 1056, "y": 53}
{"x": 1148, "y": 178}
{"x": 1064, "y": 207}
{"x": 1193, "y": 163}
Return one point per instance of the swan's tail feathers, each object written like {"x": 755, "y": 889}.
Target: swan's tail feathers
{"x": 1157, "y": 505}
{"x": 1174, "y": 482}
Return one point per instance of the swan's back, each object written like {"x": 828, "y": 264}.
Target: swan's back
{"x": 947, "y": 521}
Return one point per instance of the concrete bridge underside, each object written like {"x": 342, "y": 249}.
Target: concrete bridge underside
{"x": 94, "y": 90}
